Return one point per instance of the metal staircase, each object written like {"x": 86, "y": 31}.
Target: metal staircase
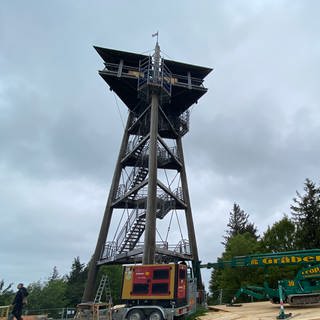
{"x": 139, "y": 177}
{"x": 167, "y": 204}
{"x": 140, "y": 147}
{"x": 136, "y": 146}
{"x": 134, "y": 232}
{"x": 133, "y": 228}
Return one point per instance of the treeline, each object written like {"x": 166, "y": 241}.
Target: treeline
{"x": 297, "y": 231}
{"x": 62, "y": 291}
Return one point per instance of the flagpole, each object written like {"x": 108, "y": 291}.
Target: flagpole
{"x": 155, "y": 35}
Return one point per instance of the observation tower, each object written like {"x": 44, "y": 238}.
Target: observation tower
{"x": 149, "y": 190}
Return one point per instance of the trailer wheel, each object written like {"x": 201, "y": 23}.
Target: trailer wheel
{"x": 155, "y": 315}
{"x": 135, "y": 314}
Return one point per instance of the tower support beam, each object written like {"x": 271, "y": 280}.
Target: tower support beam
{"x": 89, "y": 291}
{"x": 188, "y": 213}
{"x": 150, "y": 231}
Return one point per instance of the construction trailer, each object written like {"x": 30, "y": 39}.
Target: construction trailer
{"x": 160, "y": 291}
{"x": 154, "y": 292}
{"x": 304, "y": 289}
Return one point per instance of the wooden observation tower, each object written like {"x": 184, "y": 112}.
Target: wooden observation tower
{"x": 149, "y": 188}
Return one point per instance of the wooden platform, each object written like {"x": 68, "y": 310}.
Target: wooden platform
{"x": 260, "y": 311}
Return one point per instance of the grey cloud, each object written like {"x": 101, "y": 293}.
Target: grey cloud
{"x": 253, "y": 137}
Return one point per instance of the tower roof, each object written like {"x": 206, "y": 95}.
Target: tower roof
{"x": 121, "y": 73}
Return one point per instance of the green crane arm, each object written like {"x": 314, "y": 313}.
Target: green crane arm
{"x": 299, "y": 257}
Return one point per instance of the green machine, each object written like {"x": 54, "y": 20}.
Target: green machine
{"x": 304, "y": 289}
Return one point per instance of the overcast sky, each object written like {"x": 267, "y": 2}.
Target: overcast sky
{"x": 253, "y": 137}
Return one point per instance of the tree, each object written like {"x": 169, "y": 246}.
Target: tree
{"x": 53, "y": 296}
{"x": 280, "y": 237}
{"x": 305, "y": 211}
{"x": 231, "y": 279}
{"x": 6, "y": 293}
{"x": 114, "y": 273}
{"x": 75, "y": 282}
{"x": 35, "y": 298}
{"x": 48, "y": 295}
{"x": 239, "y": 224}
{"x": 55, "y": 274}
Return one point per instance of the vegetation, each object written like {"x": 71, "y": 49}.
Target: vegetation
{"x": 75, "y": 282}
{"x": 239, "y": 224}
{"x": 62, "y": 291}
{"x": 201, "y": 310}
{"x": 306, "y": 216}
{"x": 300, "y": 230}
{"x": 279, "y": 237}
{"x": 5, "y": 293}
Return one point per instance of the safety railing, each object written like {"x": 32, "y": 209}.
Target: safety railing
{"x": 183, "y": 247}
{"x": 134, "y": 216}
{"x": 128, "y": 71}
{"x": 147, "y": 76}
{"x": 164, "y": 154}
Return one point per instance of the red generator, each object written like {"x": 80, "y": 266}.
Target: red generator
{"x": 160, "y": 284}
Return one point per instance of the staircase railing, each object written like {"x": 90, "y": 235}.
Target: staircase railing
{"x": 183, "y": 247}
{"x": 125, "y": 230}
{"x": 166, "y": 204}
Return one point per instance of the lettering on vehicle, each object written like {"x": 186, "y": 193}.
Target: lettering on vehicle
{"x": 284, "y": 260}
{"x": 311, "y": 271}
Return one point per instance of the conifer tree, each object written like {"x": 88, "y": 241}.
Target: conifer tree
{"x": 239, "y": 224}
{"x": 55, "y": 274}
{"x": 75, "y": 282}
{"x": 6, "y": 293}
{"x": 305, "y": 212}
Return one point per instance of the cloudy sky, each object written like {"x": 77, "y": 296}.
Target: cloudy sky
{"x": 253, "y": 137}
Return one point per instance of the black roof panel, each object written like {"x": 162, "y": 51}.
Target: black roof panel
{"x": 182, "y": 97}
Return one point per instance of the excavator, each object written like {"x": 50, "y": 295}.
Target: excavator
{"x": 303, "y": 290}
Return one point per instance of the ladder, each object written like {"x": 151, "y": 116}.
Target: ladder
{"x": 104, "y": 286}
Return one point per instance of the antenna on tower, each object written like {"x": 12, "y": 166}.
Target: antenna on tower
{"x": 156, "y": 58}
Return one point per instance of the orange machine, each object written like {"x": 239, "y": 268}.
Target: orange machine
{"x": 164, "y": 283}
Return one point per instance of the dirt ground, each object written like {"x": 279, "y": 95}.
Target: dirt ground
{"x": 260, "y": 311}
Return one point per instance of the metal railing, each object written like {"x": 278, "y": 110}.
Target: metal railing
{"x": 109, "y": 250}
{"x": 133, "y": 144}
{"x": 147, "y": 76}
{"x": 164, "y": 154}
{"x": 183, "y": 247}
{"x": 166, "y": 204}
{"x": 178, "y": 192}
{"x": 128, "y": 71}
{"x": 134, "y": 216}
